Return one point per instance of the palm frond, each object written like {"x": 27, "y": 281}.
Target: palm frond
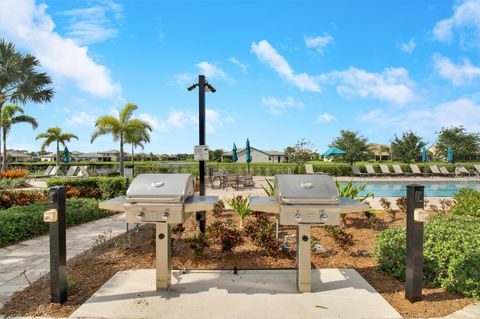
{"x": 127, "y": 112}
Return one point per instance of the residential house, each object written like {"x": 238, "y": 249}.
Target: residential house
{"x": 17, "y": 156}
{"x": 50, "y": 157}
{"x": 380, "y": 152}
{"x": 258, "y": 156}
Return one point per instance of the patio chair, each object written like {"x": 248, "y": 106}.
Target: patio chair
{"x": 417, "y": 171}
{"x": 435, "y": 170}
{"x": 371, "y": 171}
{"x": 356, "y": 171}
{"x": 248, "y": 181}
{"x": 398, "y": 170}
{"x": 385, "y": 170}
{"x": 445, "y": 171}
{"x": 45, "y": 174}
{"x": 309, "y": 169}
{"x": 462, "y": 171}
{"x": 232, "y": 181}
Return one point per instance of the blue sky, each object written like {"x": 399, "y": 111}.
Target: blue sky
{"x": 283, "y": 70}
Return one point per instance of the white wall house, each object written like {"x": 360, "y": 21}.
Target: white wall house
{"x": 50, "y": 157}
{"x": 258, "y": 156}
{"x": 17, "y": 157}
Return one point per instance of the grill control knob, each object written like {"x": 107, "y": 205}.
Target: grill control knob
{"x": 166, "y": 215}
{"x": 141, "y": 215}
{"x": 298, "y": 217}
{"x": 323, "y": 217}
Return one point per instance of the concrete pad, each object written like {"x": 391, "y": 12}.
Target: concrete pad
{"x": 337, "y": 293}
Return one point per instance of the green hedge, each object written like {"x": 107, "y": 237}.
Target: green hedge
{"x": 109, "y": 186}
{"x": 467, "y": 202}
{"x": 20, "y": 223}
{"x": 451, "y": 252}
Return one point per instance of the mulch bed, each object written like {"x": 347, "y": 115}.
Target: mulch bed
{"x": 90, "y": 270}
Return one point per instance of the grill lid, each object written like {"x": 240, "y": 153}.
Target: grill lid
{"x": 160, "y": 188}
{"x": 306, "y": 189}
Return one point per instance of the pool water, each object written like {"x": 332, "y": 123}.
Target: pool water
{"x": 398, "y": 189}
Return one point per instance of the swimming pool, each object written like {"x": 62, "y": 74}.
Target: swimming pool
{"x": 398, "y": 189}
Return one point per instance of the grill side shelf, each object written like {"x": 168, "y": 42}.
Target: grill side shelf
{"x": 199, "y": 203}
{"x": 114, "y": 204}
{"x": 349, "y": 205}
{"x": 264, "y": 204}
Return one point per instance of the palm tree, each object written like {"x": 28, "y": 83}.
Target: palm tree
{"x": 9, "y": 117}
{"x": 137, "y": 136}
{"x": 120, "y": 127}
{"x": 20, "y": 82}
{"x": 55, "y": 134}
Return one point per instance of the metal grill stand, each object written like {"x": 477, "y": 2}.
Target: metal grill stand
{"x": 304, "y": 252}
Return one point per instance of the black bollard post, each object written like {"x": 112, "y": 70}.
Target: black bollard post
{"x": 414, "y": 267}
{"x": 57, "y": 218}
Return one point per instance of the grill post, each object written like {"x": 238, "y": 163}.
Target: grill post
{"x": 414, "y": 267}
{"x": 58, "y": 246}
{"x": 304, "y": 270}
{"x": 163, "y": 255}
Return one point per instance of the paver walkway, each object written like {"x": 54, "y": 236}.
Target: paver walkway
{"x": 29, "y": 260}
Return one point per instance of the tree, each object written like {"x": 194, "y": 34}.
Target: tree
{"x": 301, "y": 152}
{"x": 137, "y": 135}
{"x": 464, "y": 145}
{"x": 355, "y": 145}
{"x": 10, "y": 116}
{"x": 216, "y": 155}
{"x": 55, "y": 134}
{"x": 118, "y": 127}
{"x": 408, "y": 148}
{"x": 20, "y": 82}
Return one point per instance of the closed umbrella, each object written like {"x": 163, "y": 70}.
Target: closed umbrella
{"x": 248, "y": 156}
{"x": 66, "y": 155}
{"x": 424, "y": 154}
{"x": 450, "y": 155}
{"x": 234, "y": 156}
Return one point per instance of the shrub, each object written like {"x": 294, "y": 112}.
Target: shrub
{"x": 14, "y": 173}
{"x": 198, "y": 243}
{"x": 218, "y": 208}
{"x": 21, "y": 198}
{"x": 467, "y": 202}
{"x": 241, "y": 206}
{"x": 8, "y": 183}
{"x": 387, "y": 207}
{"x": 340, "y": 237}
{"x": 20, "y": 223}
{"x": 451, "y": 253}
{"x": 226, "y": 235}
{"x": 262, "y": 233}
{"x": 402, "y": 204}
{"x": 109, "y": 187}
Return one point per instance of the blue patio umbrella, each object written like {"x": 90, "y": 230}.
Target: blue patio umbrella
{"x": 424, "y": 154}
{"x": 334, "y": 151}
{"x": 450, "y": 155}
{"x": 248, "y": 156}
{"x": 66, "y": 155}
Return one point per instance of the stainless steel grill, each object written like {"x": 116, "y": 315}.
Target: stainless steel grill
{"x": 306, "y": 200}
{"x": 161, "y": 199}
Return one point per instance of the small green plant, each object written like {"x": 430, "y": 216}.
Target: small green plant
{"x": 467, "y": 202}
{"x": 269, "y": 189}
{"x": 198, "y": 242}
{"x": 351, "y": 190}
{"x": 402, "y": 204}
{"x": 262, "y": 233}
{"x": 241, "y": 206}
{"x": 340, "y": 237}
{"x": 226, "y": 235}
{"x": 387, "y": 206}
{"x": 218, "y": 208}
{"x": 72, "y": 287}
{"x": 178, "y": 229}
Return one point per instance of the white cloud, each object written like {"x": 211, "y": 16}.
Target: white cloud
{"x": 325, "y": 118}
{"x": 211, "y": 71}
{"x": 465, "y": 21}
{"x": 33, "y": 29}
{"x": 154, "y": 121}
{"x": 318, "y": 43}
{"x": 185, "y": 78}
{"x": 392, "y": 85}
{"x": 180, "y": 120}
{"x": 409, "y": 46}
{"x": 242, "y": 66}
{"x": 459, "y": 74}
{"x": 463, "y": 111}
{"x": 268, "y": 55}
{"x": 278, "y": 106}
{"x": 82, "y": 119}
{"x": 93, "y": 24}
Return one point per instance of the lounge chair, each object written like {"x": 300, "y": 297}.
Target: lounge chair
{"x": 309, "y": 169}
{"x": 45, "y": 174}
{"x": 385, "y": 170}
{"x": 462, "y": 171}
{"x": 445, "y": 171}
{"x": 371, "y": 171}
{"x": 477, "y": 170}
{"x": 398, "y": 170}
{"x": 54, "y": 171}
{"x": 435, "y": 170}
{"x": 83, "y": 172}
{"x": 356, "y": 171}
{"x": 417, "y": 171}
{"x": 71, "y": 171}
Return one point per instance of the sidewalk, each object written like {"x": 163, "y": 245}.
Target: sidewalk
{"x": 29, "y": 260}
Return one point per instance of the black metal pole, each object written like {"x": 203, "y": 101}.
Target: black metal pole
{"x": 414, "y": 267}
{"x": 201, "y": 127}
{"x": 58, "y": 246}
